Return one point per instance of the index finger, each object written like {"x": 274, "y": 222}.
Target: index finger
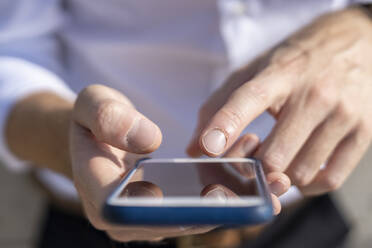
{"x": 244, "y": 105}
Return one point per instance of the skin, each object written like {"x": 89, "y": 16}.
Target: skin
{"x": 317, "y": 84}
{"x": 278, "y": 182}
{"x": 94, "y": 141}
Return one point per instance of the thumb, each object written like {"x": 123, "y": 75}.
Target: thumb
{"x": 112, "y": 119}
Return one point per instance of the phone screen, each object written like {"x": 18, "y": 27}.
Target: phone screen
{"x": 192, "y": 182}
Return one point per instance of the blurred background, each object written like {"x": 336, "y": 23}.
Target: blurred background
{"x": 22, "y": 205}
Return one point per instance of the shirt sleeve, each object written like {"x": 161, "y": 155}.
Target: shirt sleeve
{"x": 29, "y": 59}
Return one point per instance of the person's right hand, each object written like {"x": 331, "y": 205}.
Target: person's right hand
{"x": 107, "y": 134}
{"x": 231, "y": 184}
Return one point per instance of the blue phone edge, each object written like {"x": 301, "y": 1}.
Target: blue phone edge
{"x": 178, "y": 215}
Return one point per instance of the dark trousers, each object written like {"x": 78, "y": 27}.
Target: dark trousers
{"x": 318, "y": 223}
{"x": 65, "y": 230}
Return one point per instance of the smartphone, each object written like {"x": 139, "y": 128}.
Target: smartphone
{"x": 209, "y": 191}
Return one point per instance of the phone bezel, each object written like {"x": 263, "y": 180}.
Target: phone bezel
{"x": 250, "y": 213}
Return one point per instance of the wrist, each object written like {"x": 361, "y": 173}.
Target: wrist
{"x": 37, "y": 131}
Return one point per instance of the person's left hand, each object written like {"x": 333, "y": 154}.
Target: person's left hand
{"x": 318, "y": 86}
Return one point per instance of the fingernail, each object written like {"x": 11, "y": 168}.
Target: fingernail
{"x": 217, "y": 193}
{"x": 141, "y": 135}
{"x": 214, "y": 141}
{"x": 276, "y": 188}
{"x": 143, "y": 192}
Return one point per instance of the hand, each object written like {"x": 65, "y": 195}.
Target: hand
{"x": 107, "y": 133}
{"x": 318, "y": 86}
{"x": 231, "y": 185}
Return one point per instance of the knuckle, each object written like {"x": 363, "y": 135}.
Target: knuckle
{"x": 344, "y": 113}
{"x": 105, "y": 113}
{"x": 291, "y": 57}
{"x": 90, "y": 89}
{"x": 321, "y": 97}
{"x": 94, "y": 87}
{"x": 234, "y": 116}
{"x": 85, "y": 90}
{"x": 273, "y": 161}
{"x": 332, "y": 182}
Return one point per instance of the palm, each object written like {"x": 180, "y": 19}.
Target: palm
{"x": 97, "y": 167}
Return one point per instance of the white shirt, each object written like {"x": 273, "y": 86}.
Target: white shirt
{"x": 167, "y": 56}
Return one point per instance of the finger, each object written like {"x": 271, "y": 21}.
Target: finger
{"x": 242, "y": 106}
{"x": 113, "y": 120}
{"x": 342, "y": 162}
{"x": 193, "y": 148}
{"x": 318, "y": 148}
{"x": 154, "y": 233}
{"x": 244, "y": 147}
{"x": 191, "y": 231}
{"x": 277, "y": 207}
{"x": 134, "y": 234}
{"x": 222, "y": 193}
{"x": 130, "y": 233}
{"x": 210, "y": 175}
{"x": 298, "y": 119}
{"x": 217, "y": 191}
{"x": 142, "y": 189}
{"x": 278, "y": 182}
{"x": 218, "y": 99}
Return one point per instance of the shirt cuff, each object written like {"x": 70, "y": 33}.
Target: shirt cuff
{"x": 19, "y": 78}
